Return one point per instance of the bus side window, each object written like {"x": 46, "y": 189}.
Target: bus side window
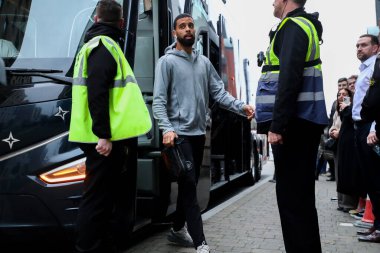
{"x": 202, "y": 44}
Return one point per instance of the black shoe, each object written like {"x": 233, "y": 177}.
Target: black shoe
{"x": 366, "y": 232}
{"x": 374, "y": 237}
{"x": 343, "y": 209}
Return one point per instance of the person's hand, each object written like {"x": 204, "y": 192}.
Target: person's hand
{"x": 372, "y": 138}
{"x": 334, "y": 134}
{"x": 104, "y": 147}
{"x": 168, "y": 139}
{"x": 342, "y": 106}
{"x": 249, "y": 111}
{"x": 274, "y": 138}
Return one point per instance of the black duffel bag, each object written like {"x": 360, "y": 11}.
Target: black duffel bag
{"x": 174, "y": 160}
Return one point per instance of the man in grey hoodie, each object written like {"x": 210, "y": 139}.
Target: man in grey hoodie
{"x": 184, "y": 81}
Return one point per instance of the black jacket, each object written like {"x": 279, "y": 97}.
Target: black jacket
{"x": 101, "y": 71}
{"x": 290, "y": 47}
{"x": 332, "y": 112}
{"x": 371, "y": 103}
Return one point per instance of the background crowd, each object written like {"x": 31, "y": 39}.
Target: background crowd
{"x": 349, "y": 142}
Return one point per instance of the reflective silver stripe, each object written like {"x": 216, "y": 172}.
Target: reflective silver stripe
{"x": 314, "y": 47}
{"x": 93, "y": 41}
{"x": 268, "y": 53}
{"x": 273, "y": 77}
{"x": 90, "y": 43}
{"x": 80, "y": 81}
{"x": 123, "y": 83}
{"x": 115, "y": 45}
{"x": 117, "y": 83}
{"x": 267, "y": 99}
{"x": 310, "y": 96}
{"x": 269, "y": 77}
{"x": 130, "y": 79}
{"x": 80, "y": 74}
{"x": 313, "y": 72}
{"x": 302, "y": 97}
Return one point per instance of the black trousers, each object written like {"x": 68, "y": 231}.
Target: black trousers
{"x": 187, "y": 203}
{"x": 104, "y": 200}
{"x": 369, "y": 164}
{"x": 295, "y": 167}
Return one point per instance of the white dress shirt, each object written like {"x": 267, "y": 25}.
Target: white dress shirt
{"x": 362, "y": 85}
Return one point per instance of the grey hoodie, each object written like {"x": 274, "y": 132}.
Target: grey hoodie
{"x": 182, "y": 87}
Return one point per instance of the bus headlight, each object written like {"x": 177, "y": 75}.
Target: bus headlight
{"x": 71, "y": 172}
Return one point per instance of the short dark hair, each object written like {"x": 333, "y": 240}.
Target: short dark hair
{"x": 374, "y": 39}
{"x": 342, "y": 79}
{"x": 300, "y": 2}
{"x": 183, "y": 15}
{"x": 353, "y": 77}
{"x": 109, "y": 11}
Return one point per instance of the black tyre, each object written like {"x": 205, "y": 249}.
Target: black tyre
{"x": 258, "y": 168}
{"x": 255, "y": 164}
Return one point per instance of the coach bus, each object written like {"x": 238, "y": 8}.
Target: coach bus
{"x": 41, "y": 172}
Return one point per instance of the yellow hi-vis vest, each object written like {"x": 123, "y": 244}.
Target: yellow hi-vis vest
{"x": 311, "y": 101}
{"x": 129, "y": 116}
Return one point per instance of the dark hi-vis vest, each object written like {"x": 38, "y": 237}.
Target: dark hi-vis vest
{"x": 311, "y": 102}
{"x": 129, "y": 116}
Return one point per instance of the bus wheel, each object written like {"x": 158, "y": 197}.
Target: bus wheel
{"x": 258, "y": 169}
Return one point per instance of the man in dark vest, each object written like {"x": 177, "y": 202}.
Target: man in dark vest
{"x": 291, "y": 87}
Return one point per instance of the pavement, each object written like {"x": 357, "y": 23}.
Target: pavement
{"x": 249, "y": 222}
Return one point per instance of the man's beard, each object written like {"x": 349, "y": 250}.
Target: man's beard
{"x": 186, "y": 42}
{"x": 363, "y": 58}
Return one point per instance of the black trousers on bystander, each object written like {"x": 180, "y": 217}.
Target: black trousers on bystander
{"x": 369, "y": 164}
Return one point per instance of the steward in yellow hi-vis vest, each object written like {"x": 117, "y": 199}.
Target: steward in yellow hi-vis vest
{"x": 128, "y": 114}
{"x": 108, "y": 114}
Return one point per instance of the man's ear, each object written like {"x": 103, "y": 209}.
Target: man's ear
{"x": 96, "y": 19}
{"x": 174, "y": 33}
{"x": 121, "y": 23}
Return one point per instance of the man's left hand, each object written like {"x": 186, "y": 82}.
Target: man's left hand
{"x": 104, "y": 147}
{"x": 274, "y": 138}
{"x": 249, "y": 111}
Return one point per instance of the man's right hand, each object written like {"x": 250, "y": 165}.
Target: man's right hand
{"x": 249, "y": 111}
{"x": 372, "y": 139}
{"x": 168, "y": 138}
